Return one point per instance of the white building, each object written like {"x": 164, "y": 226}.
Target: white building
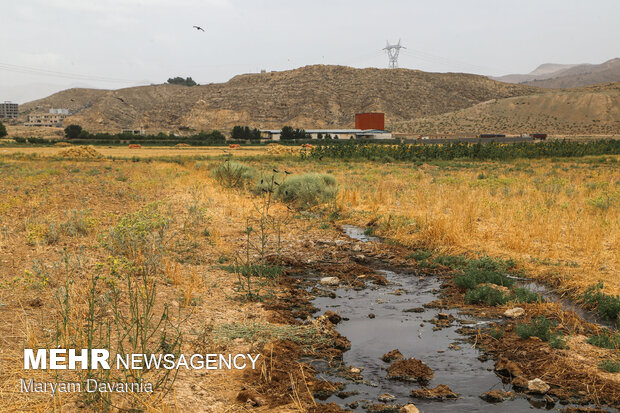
{"x": 274, "y": 134}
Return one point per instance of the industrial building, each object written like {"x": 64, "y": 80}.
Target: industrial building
{"x": 367, "y": 126}
{"x": 274, "y": 134}
{"x": 8, "y": 110}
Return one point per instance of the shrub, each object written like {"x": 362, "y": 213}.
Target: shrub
{"x": 139, "y": 234}
{"x": 606, "y": 340}
{"x": 473, "y": 277}
{"x": 307, "y": 190}
{"x": 2, "y": 130}
{"x": 420, "y": 255}
{"x": 539, "y": 327}
{"x": 486, "y": 295}
{"x": 232, "y": 174}
{"x": 608, "y": 306}
{"x": 496, "y": 333}
{"x": 78, "y": 222}
{"x": 523, "y": 295}
{"x": 610, "y": 366}
{"x": 557, "y": 341}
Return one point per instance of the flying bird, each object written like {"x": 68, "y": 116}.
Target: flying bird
{"x": 198, "y": 28}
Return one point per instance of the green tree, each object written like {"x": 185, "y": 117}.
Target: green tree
{"x": 2, "y": 130}
{"x": 288, "y": 133}
{"x": 73, "y": 131}
{"x": 188, "y": 81}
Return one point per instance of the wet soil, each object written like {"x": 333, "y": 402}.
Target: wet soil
{"x": 406, "y": 315}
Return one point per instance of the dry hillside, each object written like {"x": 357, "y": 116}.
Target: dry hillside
{"x": 556, "y": 76}
{"x": 582, "y": 76}
{"x": 588, "y": 110}
{"x": 311, "y": 96}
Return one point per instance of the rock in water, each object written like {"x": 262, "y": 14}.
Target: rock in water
{"x": 441, "y": 392}
{"x": 392, "y": 356}
{"x": 497, "y": 396}
{"x": 537, "y": 386}
{"x": 386, "y": 397}
{"x": 410, "y": 370}
{"x": 507, "y": 367}
{"x": 330, "y": 281}
{"x": 333, "y": 318}
{"x": 409, "y": 408}
{"x": 514, "y": 312}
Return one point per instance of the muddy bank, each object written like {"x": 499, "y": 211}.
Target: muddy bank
{"x": 405, "y": 315}
{"x": 375, "y": 301}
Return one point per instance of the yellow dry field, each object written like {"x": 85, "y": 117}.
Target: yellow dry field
{"x": 151, "y": 151}
{"x": 57, "y": 220}
{"x": 560, "y": 219}
{"x": 64, "y": 225}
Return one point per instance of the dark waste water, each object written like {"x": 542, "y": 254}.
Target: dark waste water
{"x": 457, "y": 366}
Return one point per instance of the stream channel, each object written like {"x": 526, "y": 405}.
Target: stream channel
{"x": 457, "y": 366}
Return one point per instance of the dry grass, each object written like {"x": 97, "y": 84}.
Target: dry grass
{"x": 558, "y": 219}
{"x": 38, "y": 225}
{"x": 152, "y": 151}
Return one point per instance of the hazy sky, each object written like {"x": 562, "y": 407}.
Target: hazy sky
{"x": 54, "y": 44}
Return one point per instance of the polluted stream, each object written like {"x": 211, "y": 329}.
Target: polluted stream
{"x": 379, "y": 319}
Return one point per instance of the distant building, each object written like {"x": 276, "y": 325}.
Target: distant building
{"x": 274, "y": 134}
{"x": 46, "y": 119}
{"x": 372, "y": 120}
{"x": 8, "y": 110}
{"x": 367, "y": 126}
{"x": 134, "y": 131}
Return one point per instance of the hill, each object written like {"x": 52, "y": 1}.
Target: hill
{"x": 589, "y": 110}
{"x": 550, "y": 75}
{"x": 309, "y": 97}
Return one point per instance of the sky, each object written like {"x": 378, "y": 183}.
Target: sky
{"x": 50, "y": 45}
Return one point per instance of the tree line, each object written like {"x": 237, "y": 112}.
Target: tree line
{"x": 77, "y": 133}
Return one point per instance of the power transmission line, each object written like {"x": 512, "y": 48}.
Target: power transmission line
{"x": 52, "y": 73}
{"x": 447, "y": 62}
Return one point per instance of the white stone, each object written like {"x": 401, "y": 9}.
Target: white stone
{"x": 538, "y": 386}
{"x": 514, "y": 312}
{"x": 330, "y": 281}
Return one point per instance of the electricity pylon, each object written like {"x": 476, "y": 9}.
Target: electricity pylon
{"x": 393, "y": 50}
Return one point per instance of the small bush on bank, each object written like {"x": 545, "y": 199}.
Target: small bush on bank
{"x": 473, "y": 277}
{"x": 610, "y": 366}
{"x": 486, "y": 295}
{"x": 523, "y": 295}
{"x": 539, "y": 327}
{"x": 232, "y": 174}
{"x": 307, "y": 190}
{"x": 608, "y": 306}
{"x": 606, "y": 340}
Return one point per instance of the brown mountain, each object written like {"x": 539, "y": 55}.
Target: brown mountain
{"x": 308, "y": 97}
{"x": 582, "y": 75}
{"x": 557, "y": 76}
{"x": 589, "y": 110}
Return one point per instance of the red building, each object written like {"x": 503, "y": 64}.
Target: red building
{"x": 365, "y": 121}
